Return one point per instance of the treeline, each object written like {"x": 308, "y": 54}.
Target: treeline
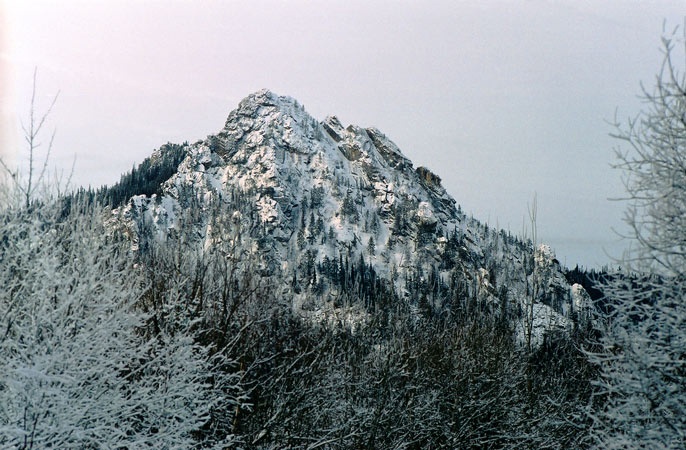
{"x": 144, "y": 179}
{"x": 592, "y": 280}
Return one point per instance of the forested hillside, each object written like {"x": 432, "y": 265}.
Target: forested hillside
{"x": 188, "y": 348}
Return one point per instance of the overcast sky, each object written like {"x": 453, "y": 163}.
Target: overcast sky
{"x": 502, "y": 99}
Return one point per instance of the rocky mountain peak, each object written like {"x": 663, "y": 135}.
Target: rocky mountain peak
{"x": 262, "y": 98}
{"x": 312, "y": 192}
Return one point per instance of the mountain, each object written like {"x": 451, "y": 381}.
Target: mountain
{"x": 287, "y": 283}
{"x": 337, "y": 219}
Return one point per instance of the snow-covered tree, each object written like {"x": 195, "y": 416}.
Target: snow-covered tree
{"x": 644, "y": 352}
{"x": 77, "y": 369}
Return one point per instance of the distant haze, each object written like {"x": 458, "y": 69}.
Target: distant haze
{"x": 502, "y": 99}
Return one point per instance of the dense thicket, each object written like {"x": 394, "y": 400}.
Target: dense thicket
{"x": 81, "y": 366}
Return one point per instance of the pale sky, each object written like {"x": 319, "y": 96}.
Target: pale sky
{"x": 502, "y": 99}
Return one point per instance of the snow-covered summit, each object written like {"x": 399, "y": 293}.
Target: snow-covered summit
{"x": 318, "y": 199}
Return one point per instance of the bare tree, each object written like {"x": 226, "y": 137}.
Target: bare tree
{"x": 643, "y": 360}
{"x": 532, "y": 286}
{"x": 654, "y": 163}
{"x": 34, "y": 180}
